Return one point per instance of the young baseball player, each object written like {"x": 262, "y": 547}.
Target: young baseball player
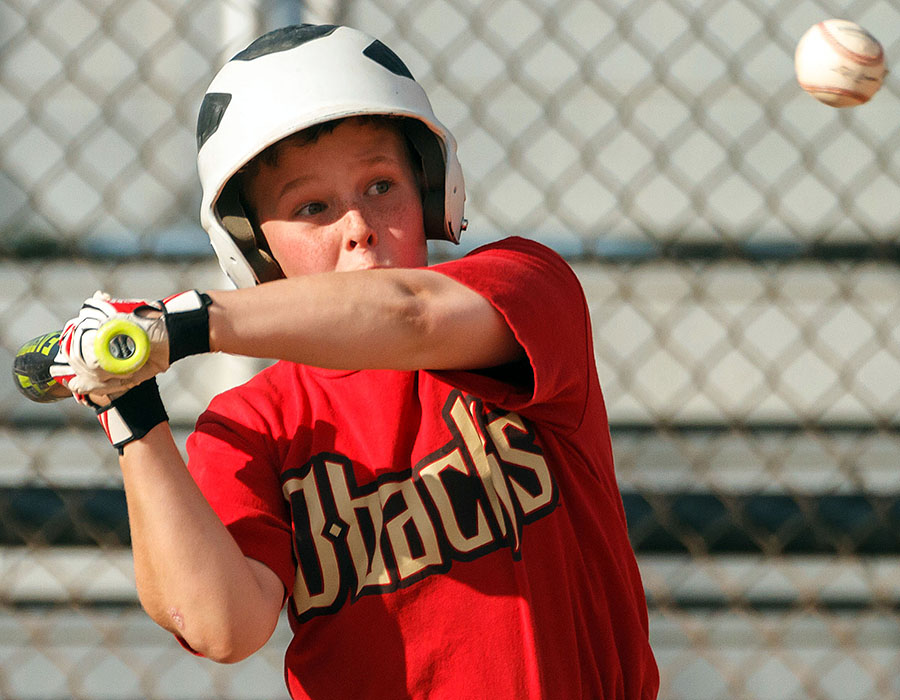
{"x": 425, "y": 476}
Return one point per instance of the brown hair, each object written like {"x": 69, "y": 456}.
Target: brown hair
{"x": 271, "y": 154}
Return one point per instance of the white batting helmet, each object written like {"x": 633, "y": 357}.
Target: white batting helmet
{"x": 293, "y": 78}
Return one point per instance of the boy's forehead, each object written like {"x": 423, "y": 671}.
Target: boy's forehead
{"x": 298, "y": 162}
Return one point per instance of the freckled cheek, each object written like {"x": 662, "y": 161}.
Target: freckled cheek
{"x": 406, "y": 221}
{"x": 298, "y": 254}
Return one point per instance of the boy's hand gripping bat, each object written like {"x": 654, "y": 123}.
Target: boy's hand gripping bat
{"x": 121, "y": 348}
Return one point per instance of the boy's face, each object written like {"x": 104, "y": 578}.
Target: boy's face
{"x": 347, "y": 201}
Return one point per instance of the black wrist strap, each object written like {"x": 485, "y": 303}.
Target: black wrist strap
{"x": 189, "y": 329}
{"x": 133, "y": 414}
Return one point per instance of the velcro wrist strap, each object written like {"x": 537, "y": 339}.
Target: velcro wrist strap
{"x": 133, "y": 414}
{"x": 187, "y": 324}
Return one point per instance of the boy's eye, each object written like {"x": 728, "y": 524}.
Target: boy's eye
{"x": 380, "y": 187}
{"x": 311, "y": 209}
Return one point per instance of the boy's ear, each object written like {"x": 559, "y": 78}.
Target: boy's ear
{"x": 247, "y": 237}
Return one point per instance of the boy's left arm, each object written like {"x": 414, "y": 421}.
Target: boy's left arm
{"x": 397, "y": 318}
{"x": 403, "y": 319}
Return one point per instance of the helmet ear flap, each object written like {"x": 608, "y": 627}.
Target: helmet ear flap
{"x": 433, "y": 215}
{"x": 431, "y": 158}
{"x": 249, "y": 240}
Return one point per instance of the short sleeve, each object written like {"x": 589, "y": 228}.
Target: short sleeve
{"x": 542, "y": 301}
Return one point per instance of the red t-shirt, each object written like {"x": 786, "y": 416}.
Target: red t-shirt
{"x": 442, "y": 534}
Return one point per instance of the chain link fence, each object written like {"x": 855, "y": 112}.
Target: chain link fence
{"x": 737, "y": 242}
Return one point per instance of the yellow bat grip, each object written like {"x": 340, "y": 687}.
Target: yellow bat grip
{"x": 121, "y": 347}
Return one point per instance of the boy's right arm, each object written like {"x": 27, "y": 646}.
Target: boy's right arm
{"x": 192, "y": 578}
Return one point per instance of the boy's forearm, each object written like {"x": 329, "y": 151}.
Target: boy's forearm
{"x": 192, "y": 578}
{"x": 401, "y": 319}
{"x": 337, "y": 320}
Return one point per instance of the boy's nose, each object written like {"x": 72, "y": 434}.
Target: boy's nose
{"x": 358, "y": 231}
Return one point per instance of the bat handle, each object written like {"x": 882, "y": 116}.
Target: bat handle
{"x": 121, "y": 347}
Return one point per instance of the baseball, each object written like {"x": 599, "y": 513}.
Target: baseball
{"x": 839, "y": 63}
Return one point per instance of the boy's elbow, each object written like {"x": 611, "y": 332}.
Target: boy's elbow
{"x": 224, "y": 647}
{"x": 223, "y": 643}
{"x": 229, "y": 654}
{"x": 227, "y": 645}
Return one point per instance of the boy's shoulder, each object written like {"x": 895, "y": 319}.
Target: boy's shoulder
{"x": 519, "y": 244}
{"x": 267, "y": 384}
{"x": 516, "y": 255}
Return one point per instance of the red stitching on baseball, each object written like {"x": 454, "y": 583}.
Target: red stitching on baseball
{"x": 829, "y": 90}
{"x": 847, "y": 53}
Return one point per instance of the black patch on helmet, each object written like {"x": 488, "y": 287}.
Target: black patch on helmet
{"x": 284, "y": 39}
{"x": 211, "y": 110}
{"x": 382, "y": 55}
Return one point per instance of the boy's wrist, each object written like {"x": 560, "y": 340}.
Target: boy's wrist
{"x": 187, "y": 324}
{"x": 132, "y": 415}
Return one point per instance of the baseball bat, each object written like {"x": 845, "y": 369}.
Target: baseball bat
{"x": 121, "y": 347}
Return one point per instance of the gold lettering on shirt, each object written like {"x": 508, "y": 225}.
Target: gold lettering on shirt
{"x": 473, "y": 496}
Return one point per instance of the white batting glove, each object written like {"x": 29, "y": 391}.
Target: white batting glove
{"x": 177, "y": 326}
